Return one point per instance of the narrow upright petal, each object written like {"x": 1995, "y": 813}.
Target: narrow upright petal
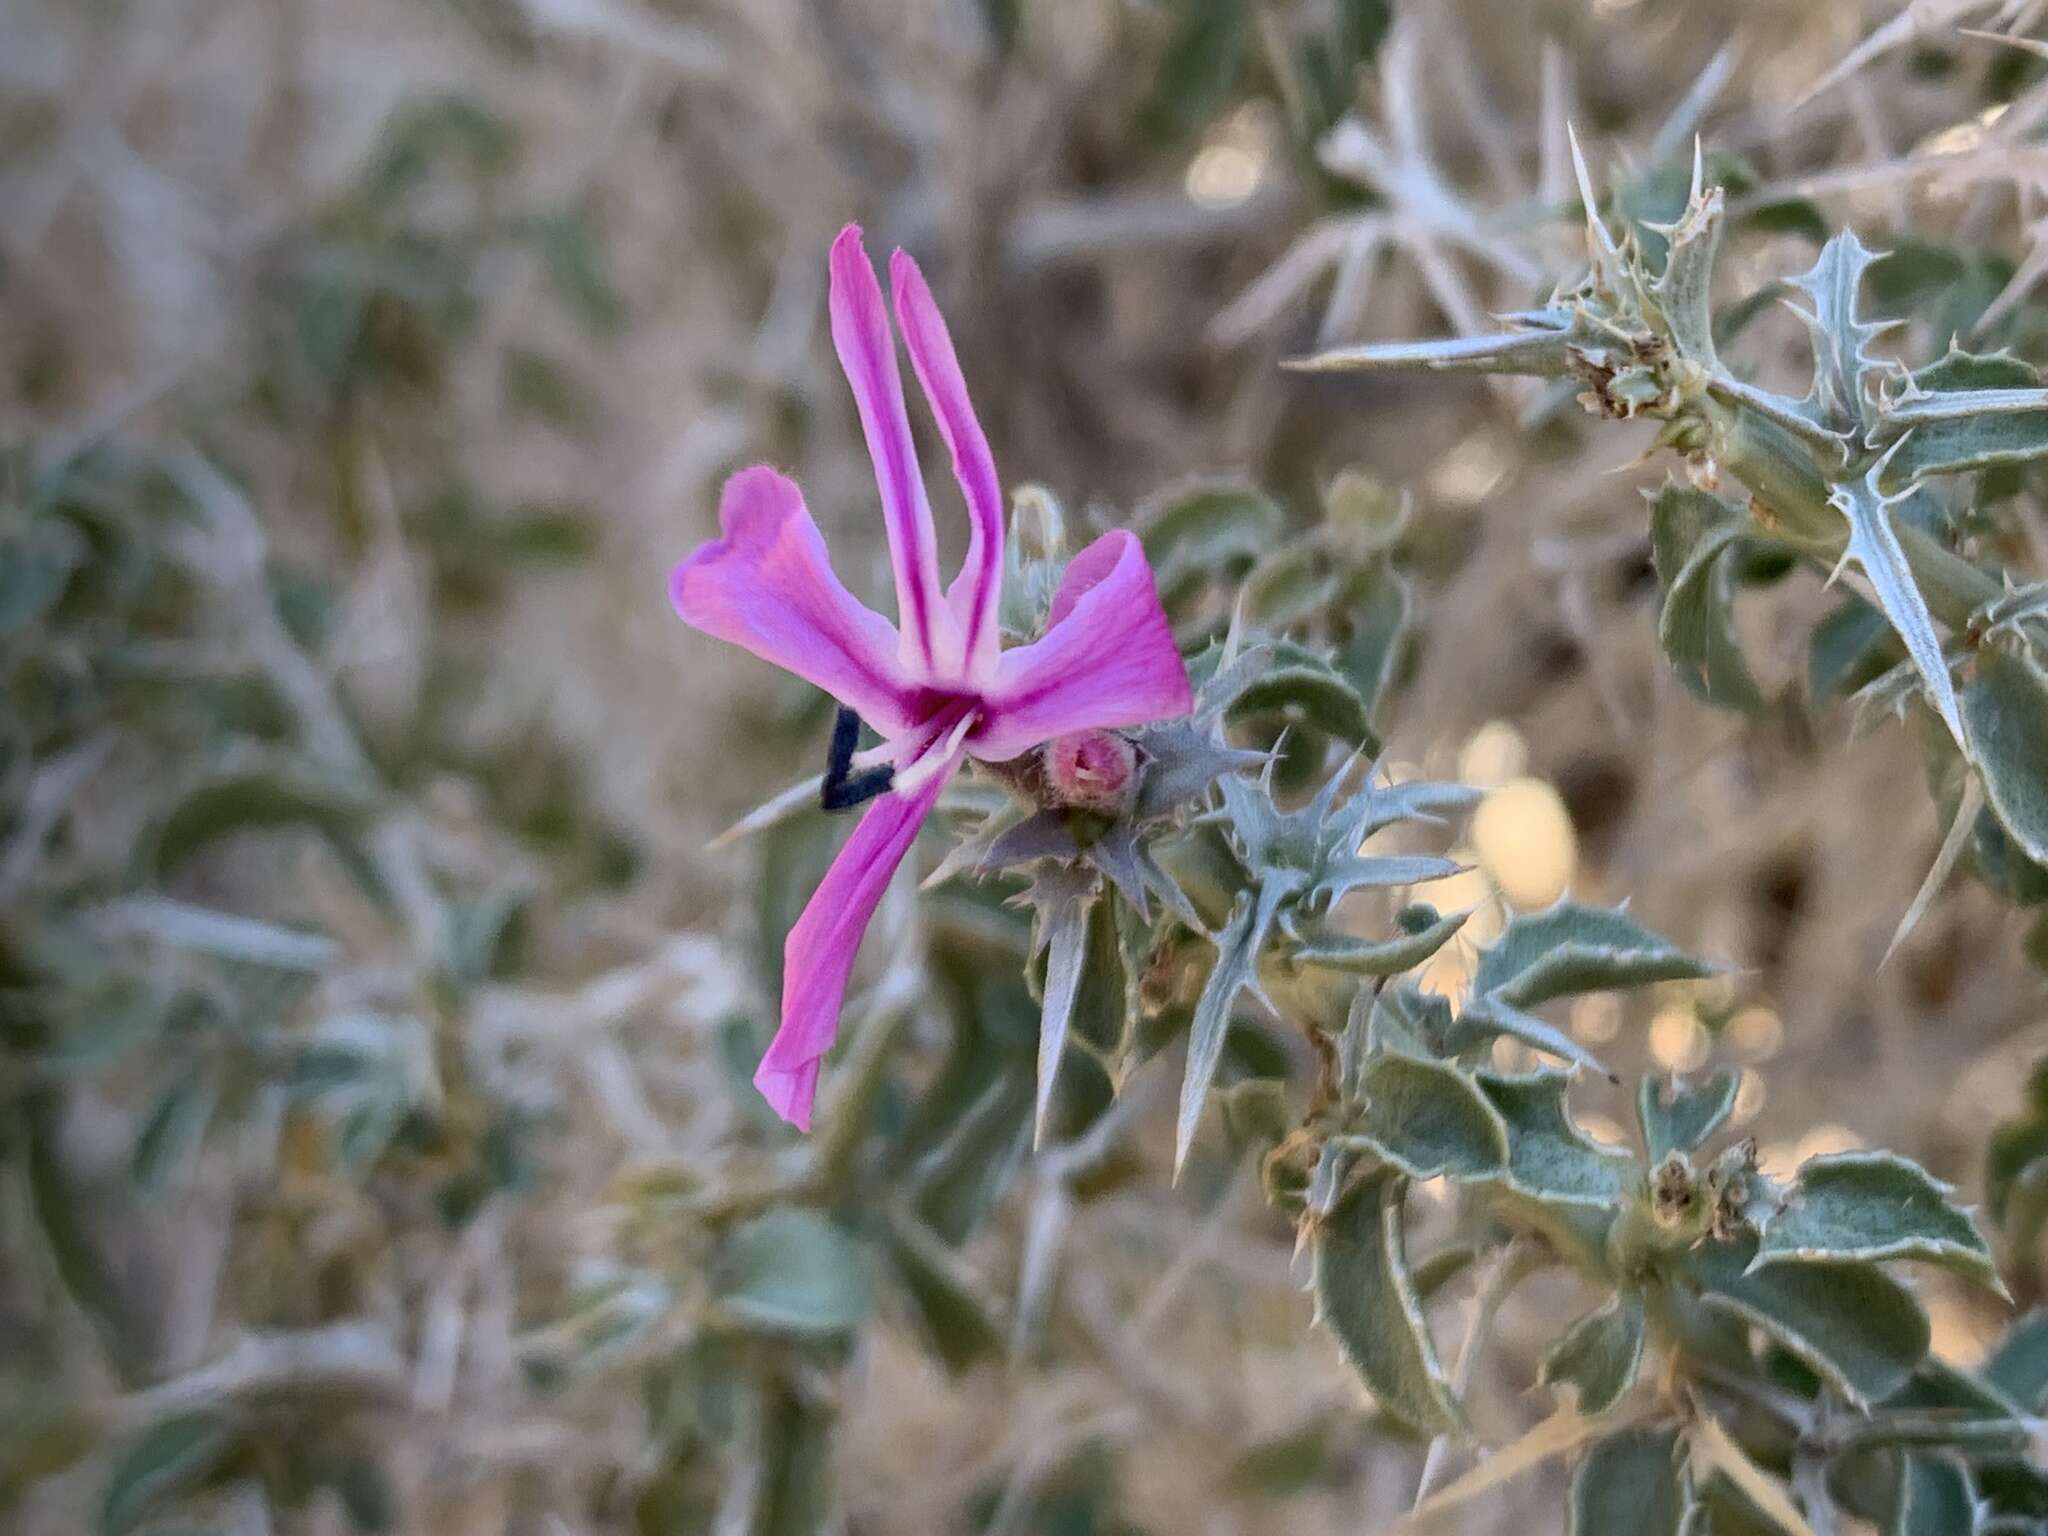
{"x": 1107, "y": 658}
{"x": 867, "y": 351}
{"x": 977, "y": 590}
{"x": 817, "y": 957}
{"x": 768, "y": 585}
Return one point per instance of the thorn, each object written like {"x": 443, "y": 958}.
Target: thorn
{"x": 1603, "y": 242}
{"x": 1699, "y": 171}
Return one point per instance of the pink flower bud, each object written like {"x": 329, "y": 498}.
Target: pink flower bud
{"x": 1092, "y": 770}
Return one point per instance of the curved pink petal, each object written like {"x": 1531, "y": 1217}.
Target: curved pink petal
{"x": 817, "y": 957}
{"x": 1107, "y": 659}
{"x": 976, "y": 591}
{"x": 768, "y": 586}
{"x": 867, "y": 352}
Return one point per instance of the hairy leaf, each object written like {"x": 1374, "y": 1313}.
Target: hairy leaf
{"x": 1628, "y": 1486}
{"x": 1237, "y": 960}
{"x": 1841, "y": 339}
{"x": 1967, "y": 412}
{"x": 1204, "y": 528}
{"x": 1874, "y": 545}
{"x": 1874, "y": 1205}
{"x": 2018, "y": 1367}
{"x": 1850, "y": 1323}
{"x": 1598, "y": 1355}
{"x": 1064, "y": 932}
{"x": 1572, "y": 948}
{"x": 1485, "y": 1019}
{"x": 1680, "y": 1119}
{"x": 1366, "y": 1297}
{"x": 1427, "y": 1118}
{"x": 1549, "y": 1158}
{"x": 1383, "y": 957}
{"x": 2006, "y": 705}
{"x": 1696, "y": 540}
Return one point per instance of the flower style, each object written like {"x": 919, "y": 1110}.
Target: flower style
{"x": 940, "y": 690}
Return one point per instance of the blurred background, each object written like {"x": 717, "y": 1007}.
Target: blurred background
{"x": 375, "y": 1018}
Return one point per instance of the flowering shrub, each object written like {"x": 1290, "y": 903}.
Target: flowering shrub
{"x": 410, "y": 1126}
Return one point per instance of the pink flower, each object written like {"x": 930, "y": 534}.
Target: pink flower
{"x": 942, "y": 689}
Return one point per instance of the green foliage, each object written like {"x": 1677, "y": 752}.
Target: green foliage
{"x": 791, "y": 1271}
{"x": 1873, "y": 1205}
{"x": 1598, "y": 1355}
{"x": 1628, "y": 1485}
{"x": 1698, "y": 541}
{"x": 1844, "y": 475}
{"x": 1366, "y": 1297}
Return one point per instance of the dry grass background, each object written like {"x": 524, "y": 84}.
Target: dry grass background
{"x": 159, "y": 164}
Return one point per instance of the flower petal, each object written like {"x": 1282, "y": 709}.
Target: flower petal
{"x": 1107, "y": 659}
{"x": 976, "y": 591}
{"x": 768, "y": 586}
{"x": 867, "y": 352}
{"x": 817, "y": 957}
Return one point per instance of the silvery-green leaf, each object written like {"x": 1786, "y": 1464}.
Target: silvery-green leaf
{"x": 1383, "y": 957}
{"x": 1841, "y": 340}
{"x": 1874, "y": 1205}
{"x": 1290, "y": 582}
{"x": 1571, "y": 948}
{"x": 1599, "y": 1354}
{"x": 1695, "y": 539}
{"x": 1935, "y": 1498}
{"x": 1237, "y": 961}
{"x": 1874, "y": 545}
{"x": 1628, "y": 1485}
{"x": 1042, "y": 835}
{"x": 2006, "y": 705}
{"x": 1549, "y": 1158}
{"x": 1117, "y": 854}
{"x": 1851, "y": 1324}
{"x": 1427, "y": 1118}
{"x": 2018, "y": 1367}
{"x": 1063, "y": 931}
{"x": 1204, "y": 529}
{"x": 1485, "y": 1019}
{"x": 1222, "y": 671}
{"x": 1181, "y": 762}
{"x": 1366, "y": 1297}
{"x": 790, "y": 1270}
{"x": 1683, "y": 290}
{"x": 1545, "y": 353}
{"x": 1342, "y": 875}
{"x": 1375, "y": 603}
{"x": 1408, "y": 1020}
{"x": 1306, "y": 690}
{"x": 1676, "y": 1118}
{"x": 1376, "y": 805}
{"x": 2017, "y": 606}
{"x": 1966, "y": 412}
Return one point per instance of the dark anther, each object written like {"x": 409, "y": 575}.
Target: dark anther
{"x": 844, "y": 789}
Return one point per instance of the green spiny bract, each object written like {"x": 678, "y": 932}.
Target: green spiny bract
{"x": 1845, "y": 476}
